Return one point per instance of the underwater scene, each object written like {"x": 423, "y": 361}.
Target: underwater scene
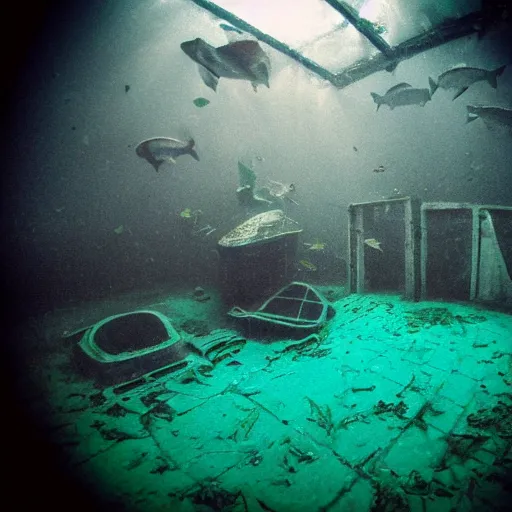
{"x": 258, "y": 255}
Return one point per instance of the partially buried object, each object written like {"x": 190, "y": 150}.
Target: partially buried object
{"x": 297, "y": 305}
{"x": 262, "y": 228}
{"x": 240, "y": 60}
{"x": 164, "y": 149}
{"x": 257, "y": 256}
{"x": 200, "y": 295}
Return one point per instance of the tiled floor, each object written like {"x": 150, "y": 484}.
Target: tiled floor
{"x": 395, "y": 406}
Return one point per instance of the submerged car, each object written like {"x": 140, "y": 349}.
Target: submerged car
{"x": 298, "y": 306}
{"x": 127, "y": 345}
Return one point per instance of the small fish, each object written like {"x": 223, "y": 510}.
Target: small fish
{"x": 492, "y": 116}
{"x": 241, "y": 60}
{"x": 201, "y": 102}
{"x": 381, "y": 168}
{"x": 246, "y": 175}
{"x": 317, "y": 246}
{"x": 308, "y": 265}
{"x": 461, "y": 77}
{"x": 374, "y": 244}
{"x": 355, "y": 149}
{"x": 402, "y": 94}
{"x": 119, "y": 229}
{"x": 204, "y": 231}
{"x": 164, "y": 149}
{"x": 126, "y": 88}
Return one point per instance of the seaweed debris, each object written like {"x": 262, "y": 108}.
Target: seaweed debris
{"x": 214, "y": 497}
{"x": 399, "y": 409}
{"x": 428, "y": 317}
{"x": 322, "y": 416}
{"x": 246, "y": 425}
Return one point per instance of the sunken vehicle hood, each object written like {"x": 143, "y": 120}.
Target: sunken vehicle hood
{"x": 262, "y": 228}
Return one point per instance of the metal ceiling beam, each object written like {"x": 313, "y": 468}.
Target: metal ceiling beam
{"x": 387, "y": 60}
{"x": 362, "y": 25}
{"x": 274, "y": 43}
{"x": 437, "y": 36}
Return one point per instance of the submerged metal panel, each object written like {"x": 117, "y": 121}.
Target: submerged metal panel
{"x": 475, "y": 249}
{"x": 494, "y": 263}
{"x": 410, "y": 271}
{"x": 356, "y": 250}
{"x": 475, "y": 269}
{"x": 396, "y": 267}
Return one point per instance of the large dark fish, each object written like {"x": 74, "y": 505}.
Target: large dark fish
{"x": 164, "y": 149}
{"x": 492, "y": 116}
{"x": 461, "y": 77}
{"x": 240, "y": 60}
{"x": 400, "y": 95}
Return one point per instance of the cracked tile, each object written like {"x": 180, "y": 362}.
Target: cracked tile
{"x": 459, "y": 389}
{"x": 416, "y": 449}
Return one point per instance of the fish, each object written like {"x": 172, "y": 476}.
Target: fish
{"x": 204, "y": 231}
{"x": 240, "y": 60}
{"x": 402, "y": 94}
{"x": 461, "y": 77}
{"x": 164, "y": 149}
{"x": 249, "y": 199}
{"x": 308, "y": 265}
{"x": 246, "y": 175}
{"x": 381, "y": 168}
{"x": 374, "y": 244}
{"x": 201, "y": 102}
{"x": 492, "y": 116}
{"x": 188, "y": 213}
{"x": 317, "y": 246}
{"x": 126, "y": 88}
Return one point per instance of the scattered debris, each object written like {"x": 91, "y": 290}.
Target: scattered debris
{"x": 357, "y": 390}
{"x": 200, "y": 295}
{"x": 322, "y": 416}
{"x": 374, "y": 244}
{"x": 201, "y": 102}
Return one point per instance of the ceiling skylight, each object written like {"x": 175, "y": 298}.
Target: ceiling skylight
{"x": 294, "y": 22}
{"x": 334, "y": 38}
